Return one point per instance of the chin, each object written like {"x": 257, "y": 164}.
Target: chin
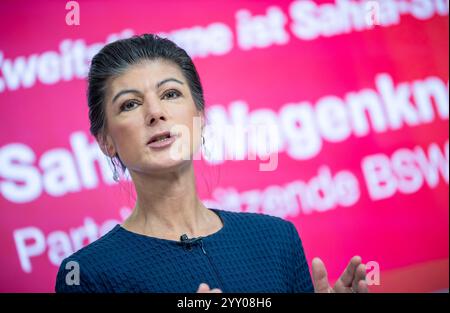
{"x": 166, "y": 165}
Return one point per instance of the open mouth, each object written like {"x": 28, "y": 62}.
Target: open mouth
{"x": 160, "y": 137}
{"x": 162, "y": 140}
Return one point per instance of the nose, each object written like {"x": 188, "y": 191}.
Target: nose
{"x": 155, "y": 112}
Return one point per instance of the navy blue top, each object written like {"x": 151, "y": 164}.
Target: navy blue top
{"x": 250, "y": 253}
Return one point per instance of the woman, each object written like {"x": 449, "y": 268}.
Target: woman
{"x": 143, "y": 92}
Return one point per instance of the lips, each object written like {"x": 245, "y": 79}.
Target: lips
{"x": 162, "y": 140}
{"x": 160, "y": 137}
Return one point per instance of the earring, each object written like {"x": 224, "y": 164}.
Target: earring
{"x": 116, "y": 177}
{"x": 205, "y": 151}
{"x": 115, "y": 171}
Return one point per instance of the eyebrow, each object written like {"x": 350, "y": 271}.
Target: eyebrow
{"x": 168, "y": 80}
{"x": 159, "y": 84}
{"x": 124, "y": 92}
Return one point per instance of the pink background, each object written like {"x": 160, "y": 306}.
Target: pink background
{"x": 407, "y": 234}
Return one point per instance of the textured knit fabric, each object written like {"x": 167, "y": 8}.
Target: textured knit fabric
{"x": 250, "y": 253}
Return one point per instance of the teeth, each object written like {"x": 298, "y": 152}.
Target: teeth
{"x": 161, "y": 138}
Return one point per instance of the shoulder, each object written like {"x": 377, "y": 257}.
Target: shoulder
{"x": 258, "y": 223}
{"x": 85, "y": 266}
{"x": 100, "y": 247}
{"x": 250, "y": 218}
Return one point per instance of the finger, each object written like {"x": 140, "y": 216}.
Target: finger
{"x": 363, "y": 287}
{"x": 203, "y": 288}
{"x": 216, "y": 290}
{"x": 347, "y": 277}
{"x": 320, "y": 276}
{"x": 360, "y": 275}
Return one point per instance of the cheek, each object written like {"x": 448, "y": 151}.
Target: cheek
{"x": 193, "y": 123}
{"x": 126, "y": 137}
{"x": 189, "y": 120}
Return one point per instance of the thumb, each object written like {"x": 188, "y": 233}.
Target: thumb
{"x": 203, "y": 288}
{"x": 320, "y": 277}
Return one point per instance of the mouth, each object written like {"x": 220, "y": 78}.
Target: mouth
{"x": 161, "y": 140}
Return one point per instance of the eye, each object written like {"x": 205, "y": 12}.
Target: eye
{"x": 171, "y": 94}
{"x": 129, "y": 105}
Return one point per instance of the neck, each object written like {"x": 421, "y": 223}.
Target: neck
{"x": 167, "y": 205}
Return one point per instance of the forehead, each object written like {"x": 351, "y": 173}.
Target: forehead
{"x": 145, "y": 75}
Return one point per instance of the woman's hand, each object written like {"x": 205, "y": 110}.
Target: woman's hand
{"x": 353, "y": 279}
{"x": 204, "y": 288}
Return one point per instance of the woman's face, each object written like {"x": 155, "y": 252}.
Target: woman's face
{"x": 148, "y": 99}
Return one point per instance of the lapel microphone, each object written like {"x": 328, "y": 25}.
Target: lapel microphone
{"x": 189, "y": 242}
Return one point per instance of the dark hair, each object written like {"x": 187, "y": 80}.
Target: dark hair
{"x": 113, "y": 60}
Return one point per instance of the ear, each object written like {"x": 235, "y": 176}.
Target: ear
{"x": 203, "y": 120}
{"x": 106, "y": 145}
